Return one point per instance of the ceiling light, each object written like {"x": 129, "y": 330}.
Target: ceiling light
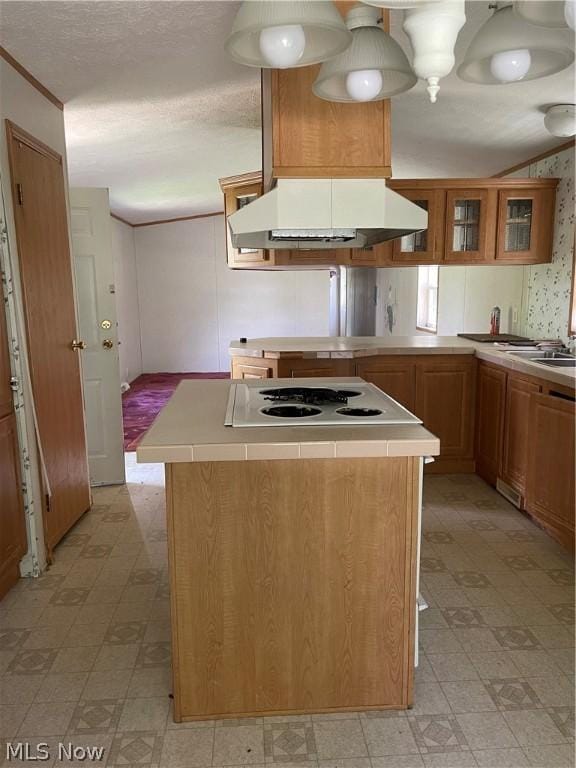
{"x": 373, "y": 67}
{"x": 560, "y": 120}
{"x": 433, "y": 29}
{"x": 570, "y": 13}
{"x": 286, "y": 33}
{"x": 506, "y": 33}
{"x": 543, "y": 13}
{"x": 509, "y": 66}
{"x": 398, "y": 4}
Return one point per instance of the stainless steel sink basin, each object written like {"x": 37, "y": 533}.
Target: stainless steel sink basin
{"x": 558, "y": 362}
{"x": 540, "y": 355}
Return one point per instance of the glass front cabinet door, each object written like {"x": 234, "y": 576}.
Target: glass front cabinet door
{"x": 241, "y": 191}
{"x": 523, "y": 227}
{"x": 424, "y": 247}
{"x": 470, "y": 222}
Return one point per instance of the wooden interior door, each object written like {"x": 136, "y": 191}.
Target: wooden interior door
{"x": 39, "y": 201}
{"x": 12, "y": 524}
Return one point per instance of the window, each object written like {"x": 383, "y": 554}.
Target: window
{"x": 427, "y": 309}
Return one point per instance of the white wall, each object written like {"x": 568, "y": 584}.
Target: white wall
{"x": 192, "y": 305}
{"x": 21, "y": 103}
{"x": 466, "y": 296}
{"x": 127, "y": 309}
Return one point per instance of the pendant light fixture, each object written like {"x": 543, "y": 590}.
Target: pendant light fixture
{"x": 507, "y": 49}
{"x": 560, "y": 120}
{"x": 286, "y": 33}
{"x": 372, "y": 68}
{"x": 543, "y": 13}
{"x": 433, "y": 29}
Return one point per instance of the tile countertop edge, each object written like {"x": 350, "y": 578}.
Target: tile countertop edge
{"x": 396, "y": 447}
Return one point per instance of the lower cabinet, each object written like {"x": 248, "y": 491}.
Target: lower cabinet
{"x": 445, "y": 396}
{"x": 514, "y": 463}
{"x": 394, "y": 375}
{"x": 252, "y": 368}
{"x": 12, "y": 524}
{"x": 490, "y": 407}
{"x": 550, "y": 496}
{"x": 440, "y": 390}
{"x": 297, "y": 368}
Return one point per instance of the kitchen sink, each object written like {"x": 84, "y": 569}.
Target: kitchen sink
{"x": 557, "y": 362}
{"x": 539, "y": 355}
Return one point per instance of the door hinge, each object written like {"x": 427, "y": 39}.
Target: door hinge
{"x": 19, "y": 194}
{"x": 14, "y": 384}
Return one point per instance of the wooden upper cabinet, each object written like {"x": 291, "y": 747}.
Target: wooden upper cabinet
{"x": 238, "y": 192}
{"x": 470, "y": 225}
{"x": 304, "y": 136}
{"x": 426, "y": 247}
{"x": 525, "y": 225}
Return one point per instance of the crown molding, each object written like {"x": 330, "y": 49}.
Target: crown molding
{"x": 542, "y": 156}
{"x": 30, "y": 78}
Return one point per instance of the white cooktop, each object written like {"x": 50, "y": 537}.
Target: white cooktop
{"x": 312, "y": 402}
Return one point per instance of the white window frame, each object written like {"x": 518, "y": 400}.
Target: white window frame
{"x": 427, "y": 299}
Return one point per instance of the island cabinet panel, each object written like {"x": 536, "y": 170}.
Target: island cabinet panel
{"x": 395, "y": 375}
{"x": 445, "y": 399}
{"x": 289, "y": 368}
{"x": 550, "y": 496}
{"x": 253, "y": 368}
{"x": 516, "y": 430}
{"x": 490, "y": 406}
{"x": 292, "y": 585}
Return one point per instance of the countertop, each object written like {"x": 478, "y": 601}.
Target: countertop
{"x": 191, "y": 428}
{"x": 369, "y": 346}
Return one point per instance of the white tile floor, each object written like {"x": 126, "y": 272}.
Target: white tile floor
{"x": 85, "y": 649}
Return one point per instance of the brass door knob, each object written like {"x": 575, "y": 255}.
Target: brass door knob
{"x": 107, "y": 343}
{"x": 78, "y": 344}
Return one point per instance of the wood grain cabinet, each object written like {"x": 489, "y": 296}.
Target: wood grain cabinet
{"x": 525, "y": 225}
{"x": 425, "y": 247}
{"x": 550, "y": 496}
{"x": 395, "y": 375}
{"x": 252, "y": 368}
{"x": 479, "y": 221}
{"x": 238, "y": 192}
{"x": 514, "y": 464}
{"x": 445, "y": 396}
{"x": 490, "y": 407}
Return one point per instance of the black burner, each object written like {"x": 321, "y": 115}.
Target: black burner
{"x": 359, "y": 411}
{"x": 291, "y": 411}
{"x": 309, "y": 395}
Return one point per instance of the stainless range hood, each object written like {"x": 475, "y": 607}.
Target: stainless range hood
{"x": 325, "y": 213}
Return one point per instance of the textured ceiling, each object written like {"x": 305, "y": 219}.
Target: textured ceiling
{"x": 156, "y": 111}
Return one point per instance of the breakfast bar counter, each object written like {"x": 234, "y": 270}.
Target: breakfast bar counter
{"x": 293, "y": 556}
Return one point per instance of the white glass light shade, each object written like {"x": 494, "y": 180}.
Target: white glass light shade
{"x": 364, "y": 84}
{"x": 433, "y": 29}
{"x": 550, "y": 49}
{"x": 570, "y": 13}
{"x": 509, "y": 66}
{"x": 283, "y": 46}
{"x": 398, "y": 4}
{"x": 325, "y": 32}
{"x": 560, "y": 120}
{"x": 543, "y": 13}
{"x": 371, "y": 49}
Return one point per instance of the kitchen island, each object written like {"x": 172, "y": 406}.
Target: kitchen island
{"x": 293, "y": 558}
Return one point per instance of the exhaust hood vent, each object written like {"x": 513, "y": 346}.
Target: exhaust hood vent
{"x": 325, "y": 213}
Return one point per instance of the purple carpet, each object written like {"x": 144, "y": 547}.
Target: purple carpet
{"x": 147, "y": 395}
